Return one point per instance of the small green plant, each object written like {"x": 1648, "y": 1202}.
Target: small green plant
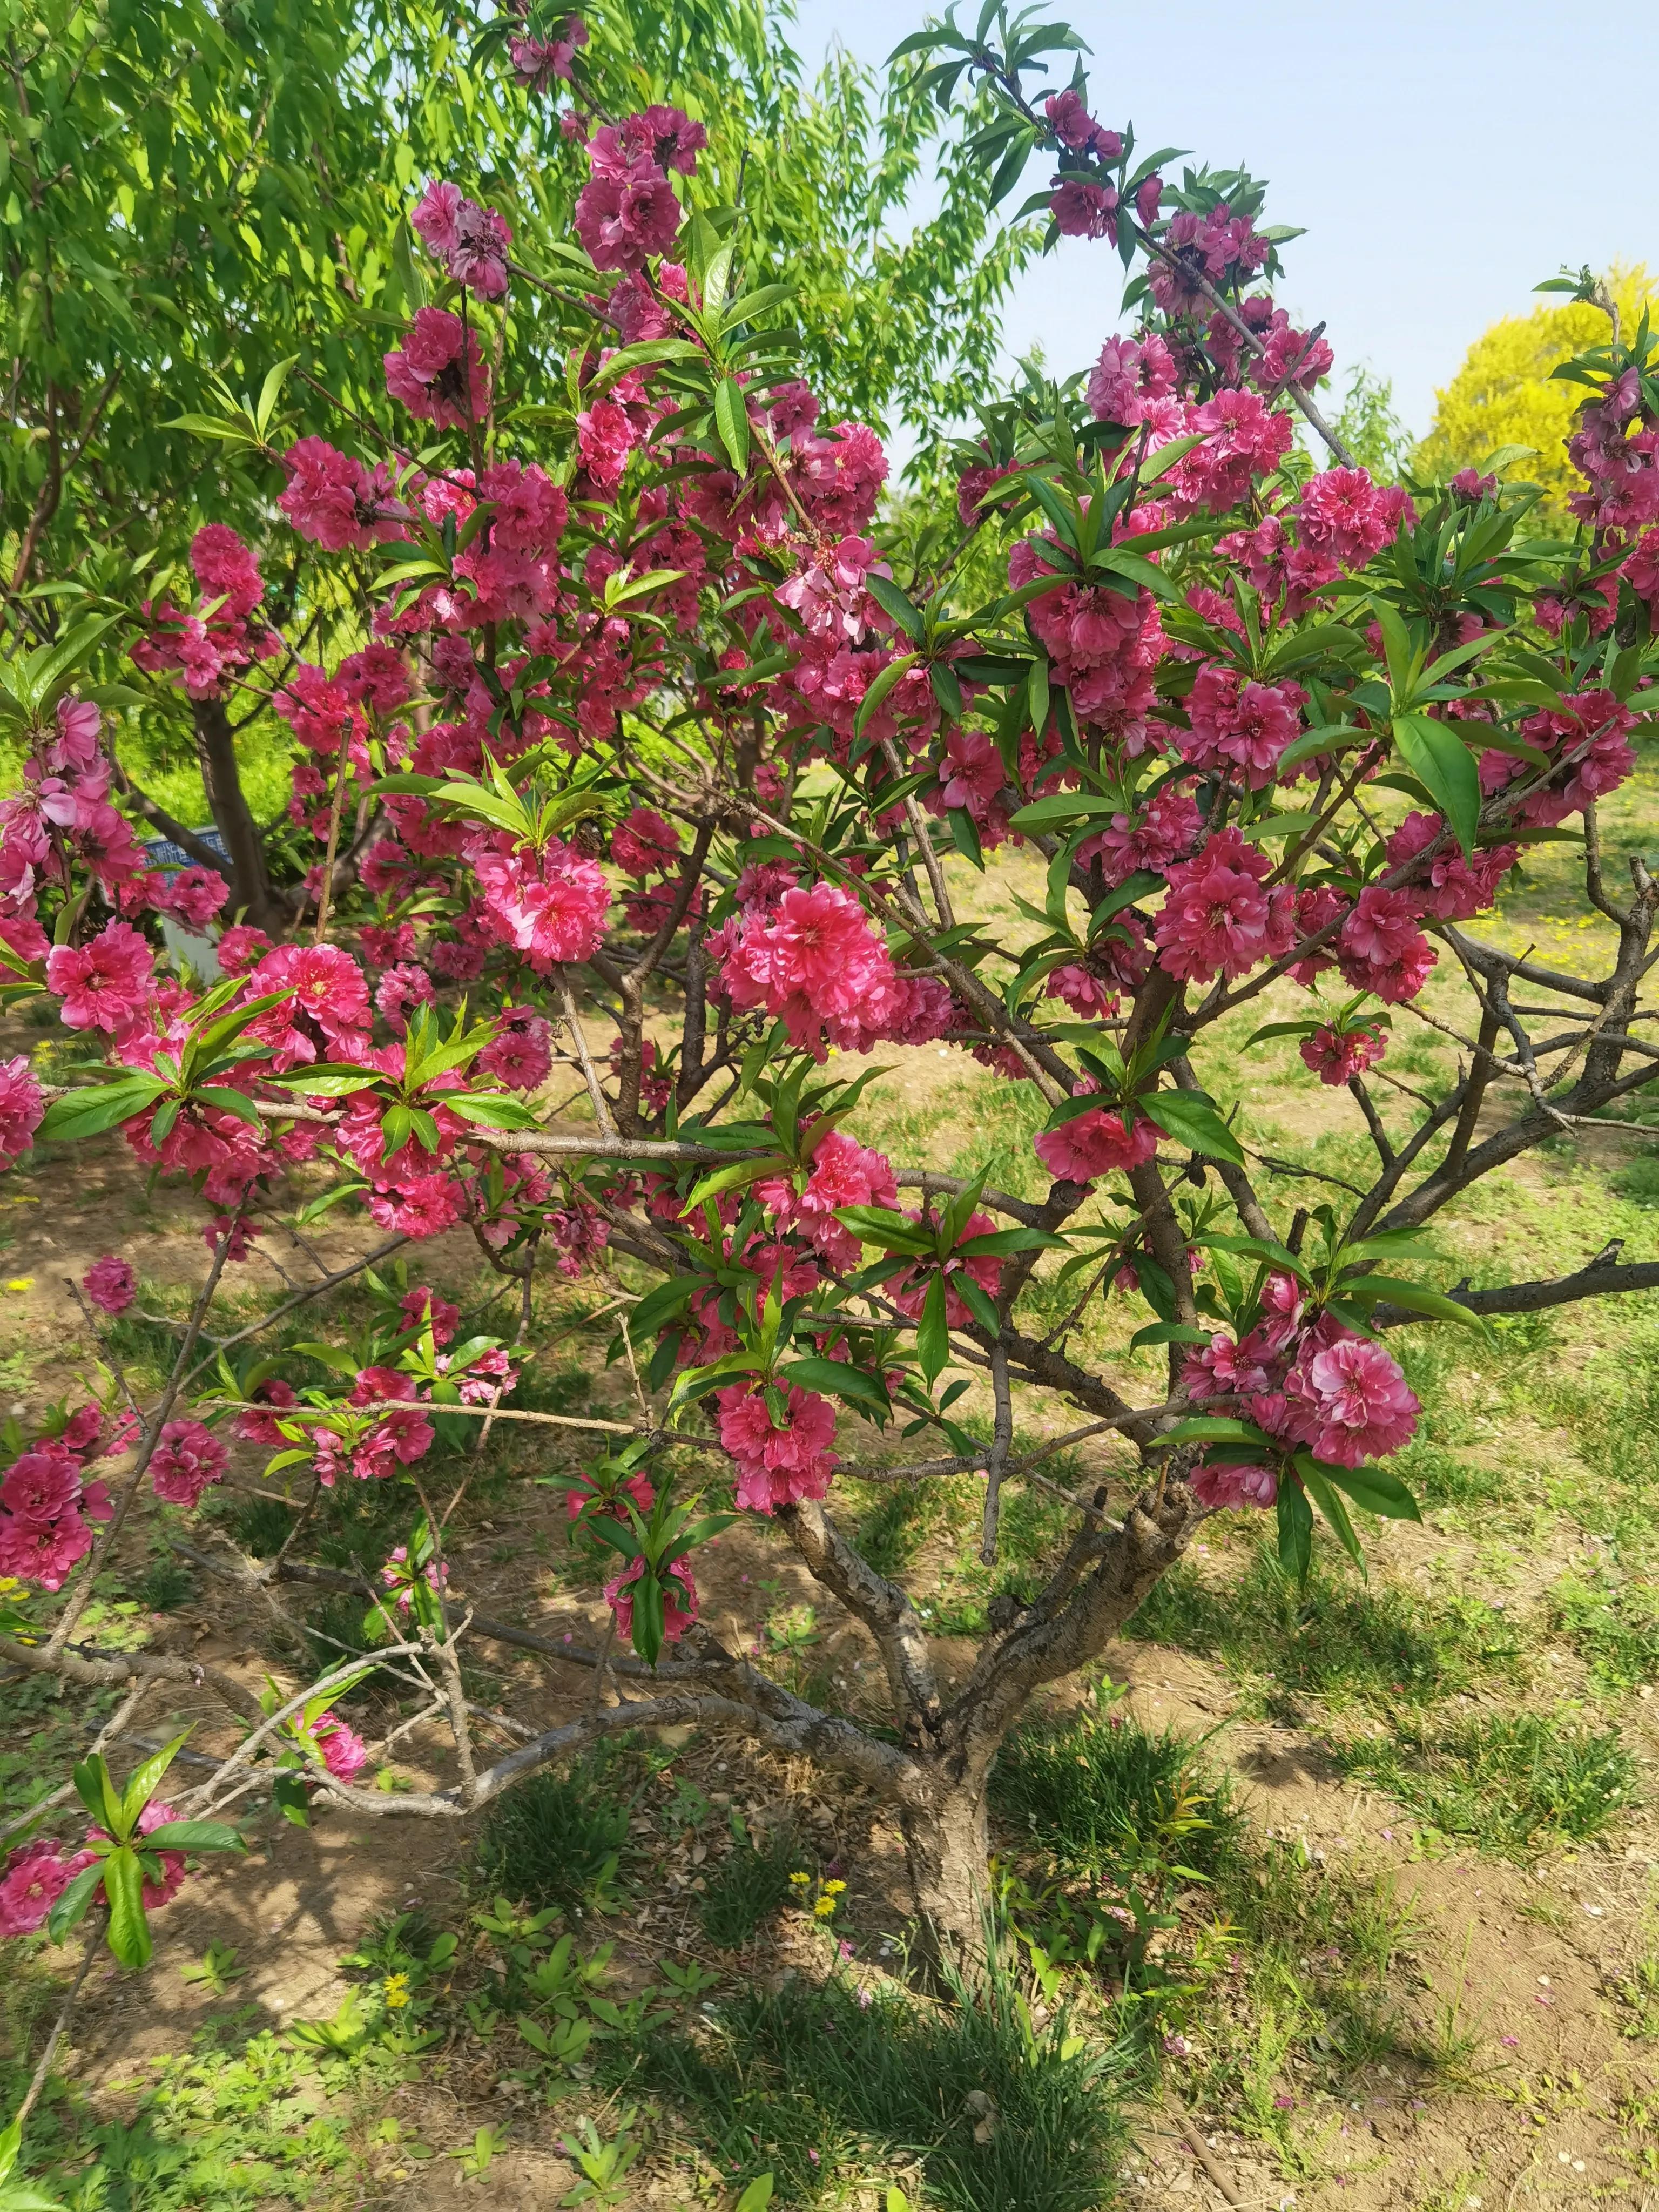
{"x": 18, "y": 2196}
{"x": 1515, "y": 1784}
{"x": 816, "y": 2083}
{"x": 215, "y": 1970}
{"x": 476, "y": 2158}
{"x": 603, "y": 2164}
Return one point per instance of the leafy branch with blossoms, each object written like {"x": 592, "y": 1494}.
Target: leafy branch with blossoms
{"x": 647, "y": 727}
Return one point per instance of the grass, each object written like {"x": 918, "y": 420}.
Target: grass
{"x": 964, "y": 2106}
{"x": 1515, "y": 1783}
{"x": 559, "y": 1840}
{"x": 747, "y": 1887}
{"x": 1090, "y": 1793}
{"x": 1341, "y": 1641}
{"x": 1614, "y": 1626}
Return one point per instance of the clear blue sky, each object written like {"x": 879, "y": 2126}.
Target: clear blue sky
{"x": 1441, "y": 158}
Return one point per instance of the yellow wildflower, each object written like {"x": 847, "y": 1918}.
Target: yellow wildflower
{"x": 824, "y": 1909}
{"x": 20, "y": 1283}
{"x": 395, "y": 1990}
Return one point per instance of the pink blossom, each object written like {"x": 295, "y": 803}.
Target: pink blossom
{"x": 1129, "y": 374}
{"x": 1218, "y": 918}
{"x": 400, "y": 990}
{"x": 1095, "y": 1144}
{"x": 777, "y": 1465}
{"x": 109, "y": 1284}
{"x": 645, "y": 843}
{"x": 677, "y": 1618}
{"x": 1452, "y": 888}
{"x": 438, "y": 373}
{"x": 41, "y": 1484}
{"x": 521, "y": 1054}
{"x": 188, "y": 1458}
{"x": 1077, "y": 130}
{"x": 22, "y": 1108}
{"x": 42, "y": 1552}
{"x": 1083, "y": 209}
{"x": 1335, "y": 1056}
{"x": 1240, "y": 724}
{"x": 537, "y": 62}
{"x": 259, "y": 1427}
{"x": 1380, "y": 948}
{"x": 421, "y": 1306}
{"x": 1235, "y": 1484}
{"x": 37, "y": 1874}
{"x": 330, "y": 497}
{"x": 817, "y": 960}
{"x": 1349, "y": 1402}
{"x": 103, "y": 984}
{"x": 626, "y": 215}
{"x": 343, "y": 1752}
{"x": 531, "y": 509}
{"x": 235, "y": 1232}
{"x": 423, "y": 1206}
{"x": 240, "y": 947}
{"x": 551, "y": 906}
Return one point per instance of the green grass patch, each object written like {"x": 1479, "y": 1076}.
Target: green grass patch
{"x": 825, "y": 2086}
{"x": 1516, "y": 1784}
{"x": 559, "y": 1840}
{"x": 1341, "y": 1641}
{"x": 747, "y": 1887}
{"x": 1613, "y": 1626}
{"x": 1093, "y": 1792}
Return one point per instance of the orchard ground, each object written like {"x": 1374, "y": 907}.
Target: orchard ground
{"x": 1391, "y": 1850}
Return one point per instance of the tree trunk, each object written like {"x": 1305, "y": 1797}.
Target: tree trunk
{"x": 252, "y": 896}
{"x": 947, "y": 1845}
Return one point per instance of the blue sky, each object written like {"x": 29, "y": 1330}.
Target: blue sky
{"x": 1441, "y": 158}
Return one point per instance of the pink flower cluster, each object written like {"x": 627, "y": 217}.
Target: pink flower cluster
{"x": 1307, "y": 1382}
{"x": 1240, "y": 725}
{"x": 223, "y": 637}
{"x": 1218, "y": 918}
{"x": 439, "y": 372}
{"x": 45, "y": 1502}
{"x": 777, "y": 1465}
{"x": 61, "y": 808}
{"x": 538, "y": 63}
{"x": 1336, "y": 1056}
{"x": 676, "y": 1574}
{"x": 1096, "y": 1143}
{"x": 627, "y": 213}
{"x": 470, "y": 240}
{"x": 816, "y": 964}
{"x": 37, "y": 1874}
{"x": 188, "y": 1459}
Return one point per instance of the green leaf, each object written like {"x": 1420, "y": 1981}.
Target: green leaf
{"x": 880, "y": 687}
{"x": 886, "y": 593}
{"x": 1167, "y": 1332}
{"x": 758, "y": 2195}
{"x": 1372, "y": 1488}
{"x": 1212, "y": 1429}
{"x": 144, "y": 1781}
{"x": 1374, "y": 1290}
{"x": 128, "y": 1930}
{"x": 732, "y": 421}
{"x": 1295, "y": 1531}
{"x": 1192, "y": 1121}
{"x": 738, "y": 1177}
{"x": 493, "y": 1109}
{"x": 1443, "y": 764}
{"x": 818, "y": 1373}
{"x": 70, "y": 1910}
{"x": 88, "y": 1113}
{"x": 198, "y": 1835}
{"x": 1330, "y": 1504}
{"x": 932, "y": 1336}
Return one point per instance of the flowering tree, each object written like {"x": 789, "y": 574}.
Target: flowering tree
{"x": 642, "y": 728}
